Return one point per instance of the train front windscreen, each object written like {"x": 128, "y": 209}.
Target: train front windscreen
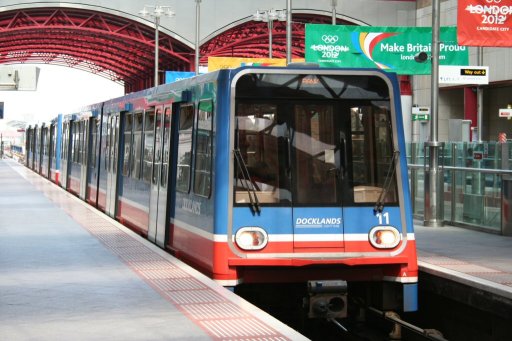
{"x": 314, "y": 140}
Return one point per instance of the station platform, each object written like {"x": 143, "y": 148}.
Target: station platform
{"x": 482, "y": 261}
{"x": 68, "y": 272}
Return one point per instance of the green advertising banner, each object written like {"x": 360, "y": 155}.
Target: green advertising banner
{"x": 394, "y": 49}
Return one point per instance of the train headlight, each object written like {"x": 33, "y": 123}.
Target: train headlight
{"x": 251, "y": 238}
{"x": 384, "y": 237}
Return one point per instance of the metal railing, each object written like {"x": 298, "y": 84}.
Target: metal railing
{"x": 477, "y": 183}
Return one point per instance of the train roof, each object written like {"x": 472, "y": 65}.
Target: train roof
{"x": 152, "y": 96}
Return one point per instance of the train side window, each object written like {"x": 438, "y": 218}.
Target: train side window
{"x": 79, "y": 135}
{"x": 78, "y": 142}
{"x": 149, "y": 140}
{"x": 127, "y": 145}
{"x": 36, "y": 144}
{"x": 137, "y": 145}
{"x": 94, "y": 143}
{"x": 48, "y": 141}
{"x": 372, "y": 153}
{"x": 165, "y": 156}
{"x": 64, "y": 145}
{"x": 74, "y": 137}
{"x": 83, "y": 142}
{"x": 44, "y": 132}
{"x": 184, "y": 156}
{"x": 52, "y": 141}
{"x": 78, "y": 145}
{"x": 203, "y": 152}
{"x": 83, "y": 137}
{"x": 107, "y": 138}
{"x": 158, "y": 146}
{"x": 27, "y": 140}
{"x": 115, "y": 142}
{"x": 72, "y": 144}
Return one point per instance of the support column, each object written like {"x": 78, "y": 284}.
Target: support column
{"x": 470, "y": 108}
{"x": 433, "y": 182}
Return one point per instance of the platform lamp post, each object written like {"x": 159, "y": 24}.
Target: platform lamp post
{"x": 269, "y": 16}
{"x": 334, "y": 3}
{"x": 157, "y": 12}
{"x": 198, "y": 15}
{"x": 433, "y": 184}
{"x": 288, "y": 31}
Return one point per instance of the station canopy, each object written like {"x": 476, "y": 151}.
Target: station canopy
{"x": 122, "y": 50}
{"x": 111, "y": 46}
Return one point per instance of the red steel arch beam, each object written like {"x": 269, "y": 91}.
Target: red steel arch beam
{"x": 250, "y": 39}
{"x": 106, "y": 59}
{"x": 105, "y": 44}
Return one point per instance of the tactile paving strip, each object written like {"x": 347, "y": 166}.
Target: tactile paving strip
{"x": 219, "y": 317}
{"x": 214, "y": 310}
{"x": 239, "y": 328}
{"x": 483, "y": 272}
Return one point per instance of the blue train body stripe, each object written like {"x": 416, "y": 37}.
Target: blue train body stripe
{"x": 401, "y": 147}
{"x": 317, "y": 220}
{"x": 410, "y": 291}
{"x": 222, "y": 153}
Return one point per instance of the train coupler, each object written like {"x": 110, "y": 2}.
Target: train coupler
{"x": 327, "y": 299}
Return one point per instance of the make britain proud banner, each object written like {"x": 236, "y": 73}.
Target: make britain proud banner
{"x": 484, "y": 22}
{"x": 389, "y": 48}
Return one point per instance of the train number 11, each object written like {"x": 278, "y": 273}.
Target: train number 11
{"x": 383, "y": 217}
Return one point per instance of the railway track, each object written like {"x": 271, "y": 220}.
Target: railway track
{"x": 383, "y": 325}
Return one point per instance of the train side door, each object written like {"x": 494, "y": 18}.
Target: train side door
{"x": 51, "y": 151}
{"x": 112, "y": 155}
{"x": 28, "y": 148}
{"x": 44, "y": 153}
{"x": 318, "y": 143}
{"x": 40, "y": 152}
{"x": 84, "y": 150}
{"x": 67, "y": 145}
{"x": 93, "y": 162}
{"x": 160, "y": 177}
{"x": 37, "y": 151}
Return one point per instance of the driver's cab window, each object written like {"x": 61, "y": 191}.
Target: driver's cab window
{"x": 372, "y": 153}
{"x": 316, "y": 146}
{"x": 258, "y": 133}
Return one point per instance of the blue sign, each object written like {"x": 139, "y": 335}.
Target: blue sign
{"x": 173, "y": 76}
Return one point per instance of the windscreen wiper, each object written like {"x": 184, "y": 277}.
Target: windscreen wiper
{"x": 379, "y": 204}
{"x": 246, "y": 180}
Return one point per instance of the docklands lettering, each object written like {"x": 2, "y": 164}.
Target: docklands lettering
{"x": 318, "y": 222}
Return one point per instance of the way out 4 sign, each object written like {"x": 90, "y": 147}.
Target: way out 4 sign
{"x": 451, "y": 74}
{"x": 389, "y": 48}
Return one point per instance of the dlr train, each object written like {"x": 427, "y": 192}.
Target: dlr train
{"x": 255, "y": 175}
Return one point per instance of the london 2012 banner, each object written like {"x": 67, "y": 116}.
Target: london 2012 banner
{"x": 484, "y": 23}
{"x": 404, "y": 50}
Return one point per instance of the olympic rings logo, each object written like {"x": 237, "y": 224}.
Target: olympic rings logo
{"x": 491, "y": 1}
{"x": 329, "y": 39}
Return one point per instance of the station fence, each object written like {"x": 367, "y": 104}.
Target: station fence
{"x": 477, "y": 180}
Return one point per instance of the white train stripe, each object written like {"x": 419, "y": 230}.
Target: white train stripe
{"x": 221, "y": 238}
